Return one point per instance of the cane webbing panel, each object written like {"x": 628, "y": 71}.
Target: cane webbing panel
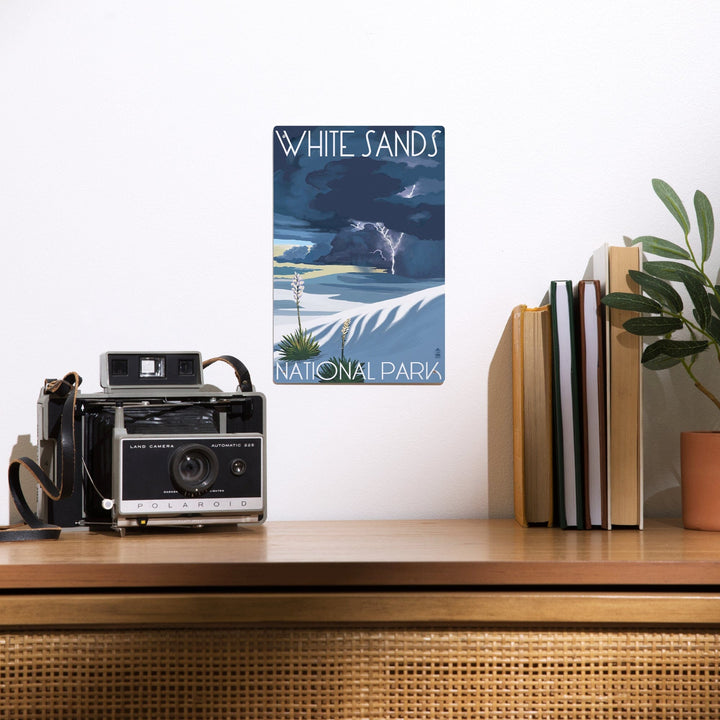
{"x": 383, "y": 673}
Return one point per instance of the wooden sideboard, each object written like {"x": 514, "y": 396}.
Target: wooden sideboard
{"x": 366, "y": 619}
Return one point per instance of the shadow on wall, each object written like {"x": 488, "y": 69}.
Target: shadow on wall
{"x": 672, "y": 405}
{"x": 499, "y": 441}
{"x": 24, "y": 448}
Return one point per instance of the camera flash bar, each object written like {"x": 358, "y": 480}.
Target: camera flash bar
{"x": 134, "y": 370}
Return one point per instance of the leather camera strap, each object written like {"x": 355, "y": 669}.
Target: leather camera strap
{"x": 241, "y": 372}
{"x": 33, "y": 527}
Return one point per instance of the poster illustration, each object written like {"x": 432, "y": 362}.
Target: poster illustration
{"x": 359, "y": 254}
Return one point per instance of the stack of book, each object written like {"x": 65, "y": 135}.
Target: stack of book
{"x": 577, "y": 403}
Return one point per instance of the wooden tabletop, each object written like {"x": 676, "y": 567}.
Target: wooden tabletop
{"x": 408, "y": 554}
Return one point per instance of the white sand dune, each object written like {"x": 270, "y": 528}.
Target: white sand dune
{"x": 399, "y": 339}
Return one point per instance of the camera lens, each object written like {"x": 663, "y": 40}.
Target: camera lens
{"x": 193, "y": 469}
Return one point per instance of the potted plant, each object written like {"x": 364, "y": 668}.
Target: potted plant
{"x": 682, "y": 333}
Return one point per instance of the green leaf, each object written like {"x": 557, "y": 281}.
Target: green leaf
{"x": 673, "y": 348}
{"x": 663, "y": 248}
{"x": 631, "y": 301}
{"x": 652, "y": 325}
{"x": 714, "y": 329}
{"x": 661, "y": 362}
{"x": 658, "y": 290}
{"x": 669, "y": 270}
{"x": 699, "y": 297}
{"x": 706, "y": 222}
{"x": 673, "y": 203}
{"x": 714, "y": 303}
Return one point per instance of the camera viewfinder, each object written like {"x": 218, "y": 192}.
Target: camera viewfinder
{"x": 119, "y": 367}
{"x": 152, "y": 367}
{"x": 186, "y": 367}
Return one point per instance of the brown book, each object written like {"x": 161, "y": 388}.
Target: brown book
{"x": 624, "y": 395}
{"x": 532, "y": 415}
{"x": 592, "y": 373}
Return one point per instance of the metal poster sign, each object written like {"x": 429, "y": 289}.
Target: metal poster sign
{"x": 359, "y": 254}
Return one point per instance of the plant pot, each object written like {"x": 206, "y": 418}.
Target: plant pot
{"x": 700, "y": 480}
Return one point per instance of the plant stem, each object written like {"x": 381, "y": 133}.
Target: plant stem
{"x": 700, "y": 386}
{"x": 692, "y": 254}
{"x": 708, "y": 394}
{"x": 693, "y": 328}
{"x": 701, "y": 269}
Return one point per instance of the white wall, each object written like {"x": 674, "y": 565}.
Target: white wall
{"x": 136, "y": 204}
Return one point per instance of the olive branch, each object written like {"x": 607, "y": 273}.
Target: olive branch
{"x": 663, "y": 303}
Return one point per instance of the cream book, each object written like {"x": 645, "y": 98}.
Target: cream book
{"x": 623, "y": 389}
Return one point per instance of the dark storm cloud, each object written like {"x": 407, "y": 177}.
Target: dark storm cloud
{"x": 330, "y": 194}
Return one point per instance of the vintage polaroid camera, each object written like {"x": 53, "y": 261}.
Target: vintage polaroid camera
{"x": 157, "y": 446}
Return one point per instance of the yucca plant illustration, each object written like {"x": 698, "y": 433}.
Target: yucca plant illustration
{"x": 343, "y": 335}
{"x": 298, "y": 287}
{"x": 342, "y": 370}
{"x": 299, "y": 345}
{"x": 665, "y": 312}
